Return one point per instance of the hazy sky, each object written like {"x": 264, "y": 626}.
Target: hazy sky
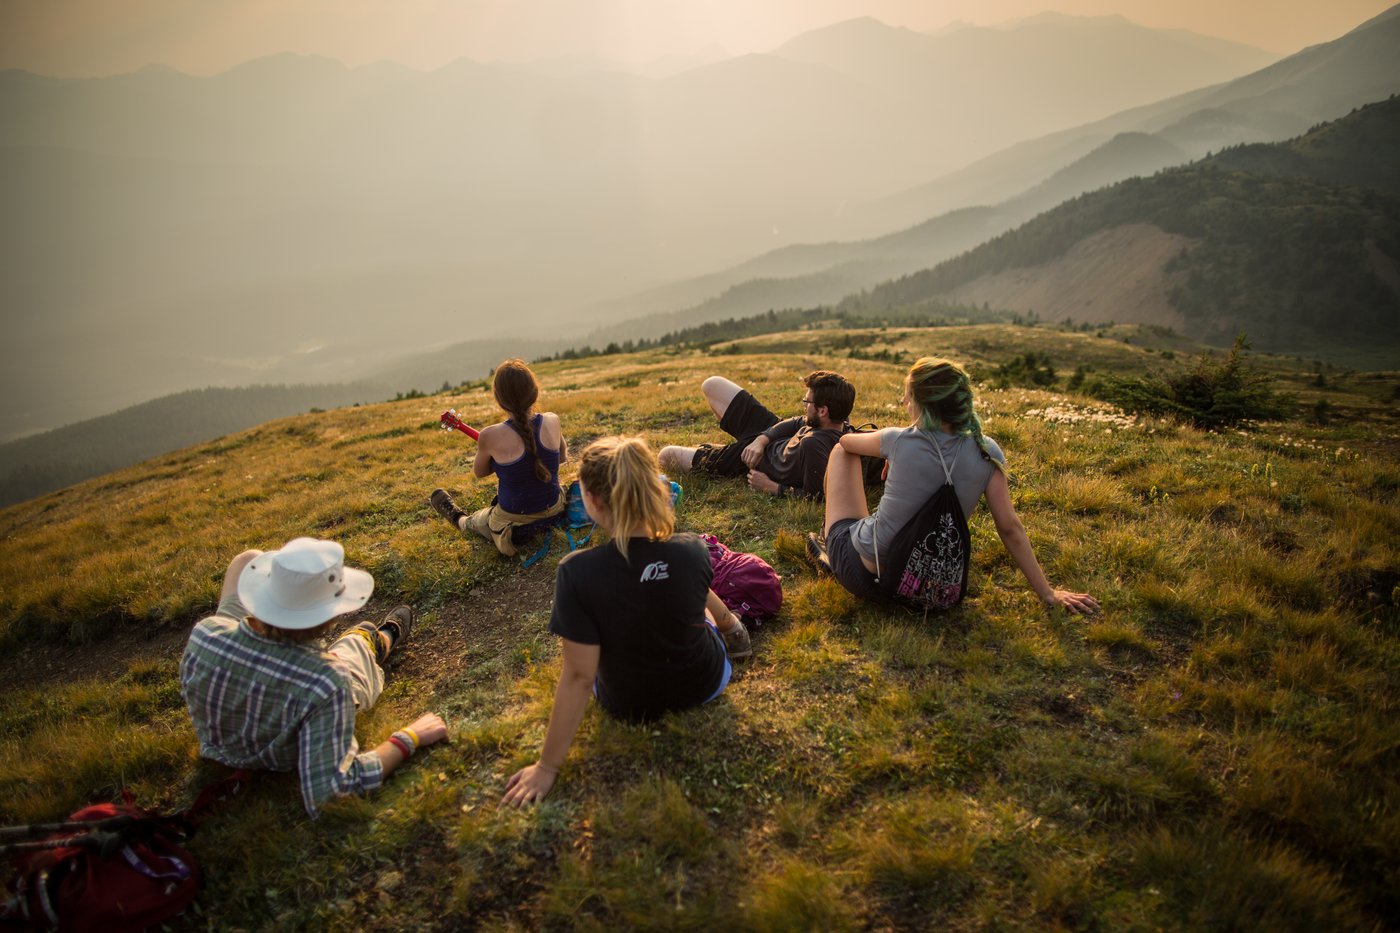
{"x": 95, "y": 37}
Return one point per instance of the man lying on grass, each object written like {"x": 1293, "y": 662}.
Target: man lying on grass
{"x": 264, "y": 694}
{"x": 642, "y": 631}
{"x": 796, "y": 463}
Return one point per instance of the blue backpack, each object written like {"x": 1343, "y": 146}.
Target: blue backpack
{"x": 578, "y": 527}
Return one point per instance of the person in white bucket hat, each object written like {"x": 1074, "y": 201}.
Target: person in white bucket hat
{"x": 264, "y": 694}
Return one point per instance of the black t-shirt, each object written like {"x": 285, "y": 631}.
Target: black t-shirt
{"x": 647, "y": 615}
{"x": 798, "y": 453}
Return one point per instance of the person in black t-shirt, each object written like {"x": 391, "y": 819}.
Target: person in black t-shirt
{"x": 641, "y": 629}
{"x": 781, "y": 457}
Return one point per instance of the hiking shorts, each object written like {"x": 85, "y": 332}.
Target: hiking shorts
{"x": 846, "y": 566}
{"x": 744, "y": 420}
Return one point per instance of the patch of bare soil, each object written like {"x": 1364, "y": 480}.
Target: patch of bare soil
{"x": 481, "y": 623}
{"x": 1115, "y": 275}
{"x": 33, "y": 665}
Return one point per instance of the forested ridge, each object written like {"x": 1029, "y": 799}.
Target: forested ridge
{"x": 1283, "y": 248}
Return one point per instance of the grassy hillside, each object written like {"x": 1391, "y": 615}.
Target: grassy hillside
{"x": 43, "y": 462}
{"x": 1301, "y": 264}
{"x": 1218, "y": 748}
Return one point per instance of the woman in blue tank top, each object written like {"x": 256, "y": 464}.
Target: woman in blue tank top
{"x": 524, "y": 451}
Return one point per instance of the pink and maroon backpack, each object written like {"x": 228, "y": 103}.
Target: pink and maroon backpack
{"x": 749, "y": 586}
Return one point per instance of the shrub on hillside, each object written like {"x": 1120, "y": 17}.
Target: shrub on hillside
{"x": 1211, "y": 395}
{"x": 1031, "y": 369}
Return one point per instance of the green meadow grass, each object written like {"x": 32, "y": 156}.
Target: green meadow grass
{"x": 1218, "y": 749}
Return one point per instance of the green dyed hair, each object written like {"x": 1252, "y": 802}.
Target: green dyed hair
{"x": 944, "y": 394}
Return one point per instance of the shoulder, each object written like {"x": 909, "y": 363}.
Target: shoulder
{"x": 689, "y": 547}
{"x": 492, "y": 431}
{"x": 578, "y": 564}
{"x": 994, "y": 450}
{"x": 687, "y": 541}
{"x": 819, "y": 437}
{"x": 213, "y": 627}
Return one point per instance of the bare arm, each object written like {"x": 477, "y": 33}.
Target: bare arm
{"x": 532, "y": 783}
{"x": 429, "y": 728}
{"x": 754, "y": 452}
{"x": 483, "y": 466}
{"x": 717, "y": 610}
{"x": 1018, "y": 544}
{"x": 864, "y": 444}
{"x": 549, "y": 427}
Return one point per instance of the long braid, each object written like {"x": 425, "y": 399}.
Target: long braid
{"x": 516, "y": 390}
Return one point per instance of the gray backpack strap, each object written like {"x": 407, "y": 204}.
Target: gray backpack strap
{"x": 938, "y": 449}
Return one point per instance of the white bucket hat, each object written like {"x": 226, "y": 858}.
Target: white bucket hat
{"x": 302, "y": 585}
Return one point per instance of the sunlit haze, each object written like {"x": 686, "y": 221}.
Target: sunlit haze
{"x": 95, "y": 37}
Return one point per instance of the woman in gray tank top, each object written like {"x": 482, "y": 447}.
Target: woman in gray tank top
{"x": 945, "y": 437}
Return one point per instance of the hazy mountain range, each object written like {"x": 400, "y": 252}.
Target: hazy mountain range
{"x": 292, "y": 220}
{"x": 1004, "y": 190}
{"x": 105, "y": 301}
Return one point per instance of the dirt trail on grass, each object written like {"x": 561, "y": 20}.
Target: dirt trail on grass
{"x": 481, "y": 623}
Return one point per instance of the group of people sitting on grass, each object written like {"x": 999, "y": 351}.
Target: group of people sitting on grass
{"x": 641, "y": 629}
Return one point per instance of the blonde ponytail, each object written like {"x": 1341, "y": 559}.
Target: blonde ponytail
{"x": 623, "y": 473}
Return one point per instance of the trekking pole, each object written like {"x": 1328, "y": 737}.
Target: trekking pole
{"x": 110, "y": 824}
{"x": 105, "y": 842}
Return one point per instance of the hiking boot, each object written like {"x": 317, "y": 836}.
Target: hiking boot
{"x": 816, "y": 553}
{"x": 737, "y": 643}
{"x": 442, "y": 503}
{"x": 398, "y": 625}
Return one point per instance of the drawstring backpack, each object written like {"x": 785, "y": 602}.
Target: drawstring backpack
{"x": 928, "y": 560}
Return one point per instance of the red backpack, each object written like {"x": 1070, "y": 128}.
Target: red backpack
{"x": 749, "y": 586}
{"x": 110, "y": 867}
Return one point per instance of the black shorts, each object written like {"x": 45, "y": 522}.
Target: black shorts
{"x": 846, "y": 566}
{"x": 744, "y": 420}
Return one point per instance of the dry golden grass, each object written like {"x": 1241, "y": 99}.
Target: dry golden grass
{"x": 1216, "y": 749}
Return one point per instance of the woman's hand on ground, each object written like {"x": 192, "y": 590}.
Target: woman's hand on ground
{"x": 1074, "y": 602}
{"x": 429, "y": 728}
{"x": 529, "y": 785}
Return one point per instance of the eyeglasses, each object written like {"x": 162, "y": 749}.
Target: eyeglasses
{"x": 807, "y": 401}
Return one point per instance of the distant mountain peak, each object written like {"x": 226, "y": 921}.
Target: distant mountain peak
{"x": 1051, "y": 17}
{"x": 288, "y": 62}
{"x": 861, "y": 27}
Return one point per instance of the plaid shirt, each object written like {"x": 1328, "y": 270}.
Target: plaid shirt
{"x": 259, "y": 703}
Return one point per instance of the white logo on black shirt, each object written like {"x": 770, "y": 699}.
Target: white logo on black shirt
{"x": 657, "y": 570}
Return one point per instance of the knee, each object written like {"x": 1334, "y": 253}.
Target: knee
{"x": 713, "y": 385}
{"x": 838, "y": 456}
{"x": 242, "y": 560}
